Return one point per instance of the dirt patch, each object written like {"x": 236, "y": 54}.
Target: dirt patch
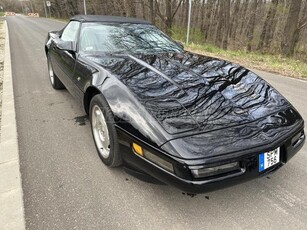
{"x": 2, "y": 44}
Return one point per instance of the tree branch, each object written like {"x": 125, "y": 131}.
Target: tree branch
{"x": 176, "y": 9}
{"x": 158, "y": 10}
{"x": 302, "y": 26}
{"x": 142, "y": 2}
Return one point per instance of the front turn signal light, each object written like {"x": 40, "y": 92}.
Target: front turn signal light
{"x": 138, "y": 149}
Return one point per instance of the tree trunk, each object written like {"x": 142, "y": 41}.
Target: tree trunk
{"x": 170, "y": 13}
{"x": 152, "y": 12}
{"x": 130, "y": 6}
{"x": 203, "y": 13}
{"x": 234, "y": 21}
{"x": 243, "y": 15}
{"x": 206, "y": 23}
{"x": 219, "y": 29}
{"x": 168, "y": 17}
{"x": 290, "y": 35}
{"x": 119, "y": 7}
{"x": 251, "y": 25}
{"x": 200, "y": 13}
{"x": 226, "y": 23}
{"x": 143, "y": 11}
{"x": 269, "y": 27}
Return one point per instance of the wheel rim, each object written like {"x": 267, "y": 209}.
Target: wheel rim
{"x": 51, "y": 74}
{"x": 100, "y": 131}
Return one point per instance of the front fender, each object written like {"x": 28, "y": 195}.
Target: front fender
{"x": 130, "y": 114}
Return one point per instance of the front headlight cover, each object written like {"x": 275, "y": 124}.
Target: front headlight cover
{"x": 159, "y": 161}
{"x": 153, "y": 158}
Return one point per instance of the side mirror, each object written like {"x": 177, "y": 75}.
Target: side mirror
{"x": 66, "y": 45}
{"x": 180, "y": 44}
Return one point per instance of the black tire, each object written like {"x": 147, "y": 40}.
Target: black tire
{"x": 114, "y": 158}
{"x": 54, "y": 80}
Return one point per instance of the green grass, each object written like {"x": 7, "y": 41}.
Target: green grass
{"x": 180, "y": 34}
{"x": 267, "y": 62}
{"x": 1, "y": 14}
{"x": 60, "y": 19}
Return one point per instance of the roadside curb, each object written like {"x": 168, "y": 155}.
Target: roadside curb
{"x": 11, "y": 194}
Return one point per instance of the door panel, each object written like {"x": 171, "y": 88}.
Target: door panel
{"x": 64, "y": 61}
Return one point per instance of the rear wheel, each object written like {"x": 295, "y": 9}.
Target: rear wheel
{"x": 104, "y": 132}
{"x": 54, "y": 80}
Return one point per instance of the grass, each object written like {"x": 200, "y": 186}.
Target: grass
{"x": 60, "y": 19}
{"x": 267, "y": 62}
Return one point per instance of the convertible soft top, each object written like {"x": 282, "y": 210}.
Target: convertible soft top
{"x": 103, "y": 18}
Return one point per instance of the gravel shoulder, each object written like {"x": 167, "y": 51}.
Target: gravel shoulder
{"x": 2, "y": 41}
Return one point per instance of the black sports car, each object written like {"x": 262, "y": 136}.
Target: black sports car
{"x": 195, "y": 122}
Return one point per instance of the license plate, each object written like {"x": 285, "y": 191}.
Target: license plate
{"x": 268, "y": 159}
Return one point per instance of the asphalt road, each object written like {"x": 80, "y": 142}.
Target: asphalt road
{"x": 67, "y": 187}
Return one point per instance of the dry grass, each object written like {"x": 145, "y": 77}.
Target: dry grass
{"x": 254, "y": 60}
{"x": 271, "y": 63}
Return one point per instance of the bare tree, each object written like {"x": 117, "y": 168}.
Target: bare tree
{"x": 235, "y": 18}
{"x": 292, "y": 28}
{"x": 275, "y": 26}
{"x": 222, "y": 30}
{"x": 205, "y": 28}
{"x": 269, "y": 27}
{"x": 219, "y": 28}
{"x": 130, "y": 6}
{"x": 226, "y": 23}
{"x": 171, "y": 8}
{"x": 243, "y": 14}
{"x": 251, "y": 25}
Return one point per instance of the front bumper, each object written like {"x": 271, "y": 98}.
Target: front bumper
{"x": 249, "y": 163}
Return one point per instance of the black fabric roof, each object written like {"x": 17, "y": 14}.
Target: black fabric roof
{"x": 102, "y": 18}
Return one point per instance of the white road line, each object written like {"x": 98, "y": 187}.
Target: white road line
{"x": 11, "y": 194}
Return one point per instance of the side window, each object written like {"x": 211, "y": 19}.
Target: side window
{"x": 71, "y": 31}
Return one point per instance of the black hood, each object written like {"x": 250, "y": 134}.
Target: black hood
{"x": 191, "y": 95}
{"x": 187, "y": 91}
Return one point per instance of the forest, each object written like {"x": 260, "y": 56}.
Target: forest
{"x": 265, "y": 26}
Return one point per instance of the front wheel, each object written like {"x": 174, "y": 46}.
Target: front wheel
{"x": 54, "y": 80}
{"x": 104, "y": 132}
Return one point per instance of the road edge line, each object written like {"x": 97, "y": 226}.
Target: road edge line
{"x": 11, "y": 194}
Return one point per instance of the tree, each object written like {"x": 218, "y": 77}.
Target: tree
{"x": 226, "y": 23}
{"x": 219, "y": 28}
{"x": 269, "y": 27}
{"x": 222, "y": 31}
{"x": 152, "y": 12}
{"x": 251, "y": 25}
{"x": 243, "y": 13}
{"x": 205, "y": 27}
{"x": 261, "y": 24}
{"x": 130, "y": 6}
{"x": 171, "y": 8}
{"x": 292, "y": 28}
{"x": 234, "y": 20}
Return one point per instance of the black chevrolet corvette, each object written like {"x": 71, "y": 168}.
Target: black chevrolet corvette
{"x": 192, "y": 121}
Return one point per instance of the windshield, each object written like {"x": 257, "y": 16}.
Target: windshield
{"x": 125, "y": 38}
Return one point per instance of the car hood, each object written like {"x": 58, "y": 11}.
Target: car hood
{"x": 191, "y": 94}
